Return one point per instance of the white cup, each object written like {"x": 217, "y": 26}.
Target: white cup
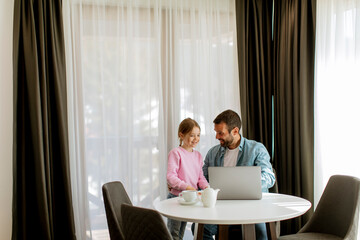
{"x": 189, "y": 195}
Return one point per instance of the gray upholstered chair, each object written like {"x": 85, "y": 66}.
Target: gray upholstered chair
{"x": 143, "y": 223}
{"x": 337, "y": 214}
{"x": 114, "y": 195}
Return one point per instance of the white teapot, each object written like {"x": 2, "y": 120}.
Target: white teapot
{"x": 209, "y": 196}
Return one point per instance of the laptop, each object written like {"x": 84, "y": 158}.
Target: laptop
{"x": 236, "y": 183}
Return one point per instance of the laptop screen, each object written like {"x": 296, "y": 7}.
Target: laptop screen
{"x": 236, "y": 183}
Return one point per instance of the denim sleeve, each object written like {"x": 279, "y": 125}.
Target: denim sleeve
{"x": 267, "y": 174}
{"x": 206, "y": 165}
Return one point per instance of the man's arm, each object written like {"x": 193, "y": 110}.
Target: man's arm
{"x": 267, "y": 174}
{"x": 206, "y": 165}
{"x": 210, "y": 160}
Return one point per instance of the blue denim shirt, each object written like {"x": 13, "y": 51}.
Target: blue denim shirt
{"x": 251, "y": 153}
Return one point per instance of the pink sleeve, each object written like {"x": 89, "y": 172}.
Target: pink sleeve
{"x": 172, "y": 171}
{"x": 202, "y": 182}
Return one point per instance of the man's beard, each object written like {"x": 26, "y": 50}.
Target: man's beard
{"x": 227, "y": 142}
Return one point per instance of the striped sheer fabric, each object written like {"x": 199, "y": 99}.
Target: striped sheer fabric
{"x": 135, "y": 69}
{"x": 337, "y": 88}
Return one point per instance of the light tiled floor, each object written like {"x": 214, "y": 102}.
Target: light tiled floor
{"x": 103, "y": 234}
{"x": 188, "y": 234}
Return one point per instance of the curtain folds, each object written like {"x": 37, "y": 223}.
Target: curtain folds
{"x": 337, "y": 90}
{"x": 42, "y": 205}
{"x": 254, "y": 42}
{"x": 276, "y": 63}
{"x": 135, "y": 70}
{"x": 294, "y": 59}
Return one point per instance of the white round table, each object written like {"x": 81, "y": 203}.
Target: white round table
{"x": 271, "y": 208}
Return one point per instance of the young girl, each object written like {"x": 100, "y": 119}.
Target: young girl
{"x": 184, "y": 170}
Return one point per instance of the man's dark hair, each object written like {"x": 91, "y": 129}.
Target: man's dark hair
{"x": 230, "y": 118}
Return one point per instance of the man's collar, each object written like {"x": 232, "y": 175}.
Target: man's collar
{"x": 242, "y": 142}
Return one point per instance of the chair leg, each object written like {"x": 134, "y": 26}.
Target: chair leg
{"x": 199, "y": 230}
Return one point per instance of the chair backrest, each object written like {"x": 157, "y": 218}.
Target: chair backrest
{"x": 337, "y": 212}
{"x": 143, "y": 223}
{"x": 275, "y": 188}
{"x": 114, "y": 195}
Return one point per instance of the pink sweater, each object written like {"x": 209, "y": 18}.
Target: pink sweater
{"x": 185, "y": 168}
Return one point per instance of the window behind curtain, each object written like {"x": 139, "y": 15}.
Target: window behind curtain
{"x": 135, "y": 69}
{"x": 337, "y": 87}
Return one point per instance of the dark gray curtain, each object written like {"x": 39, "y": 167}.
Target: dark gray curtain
{"x": 282, "y": 68}
{"x": 42, "y": 207}
{"x": 294, "y": 59}
{"x": 254, "y": 21}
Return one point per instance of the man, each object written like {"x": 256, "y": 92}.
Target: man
{"x": 235, "y": 150}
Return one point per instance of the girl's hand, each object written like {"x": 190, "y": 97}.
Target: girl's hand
{"x": 190, "y": 188}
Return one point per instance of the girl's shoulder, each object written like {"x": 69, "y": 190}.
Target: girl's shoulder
{"x": 197, "y": 154}
{"x": 196, "y": 151}
{"x": 182, "y": 151}
{"x": 175, "y": 150}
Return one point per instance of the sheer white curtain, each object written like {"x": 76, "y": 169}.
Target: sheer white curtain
{"x": 337, "y": 93}
{"x": 135, "y": 69}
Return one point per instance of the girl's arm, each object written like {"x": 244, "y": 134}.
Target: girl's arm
{"x": 202, "y": 182}
{"x": 172, "y": 171}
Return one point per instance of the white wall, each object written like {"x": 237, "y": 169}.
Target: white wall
{"x": 6, "y": 117}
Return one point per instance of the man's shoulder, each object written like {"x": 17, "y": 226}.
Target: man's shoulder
{"x": 253, "y": 143}
{"x": 254, "y": 148}
{"x": 214, "y": 149}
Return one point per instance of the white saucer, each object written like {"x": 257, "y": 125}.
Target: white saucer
{"x": 183, "y": 202}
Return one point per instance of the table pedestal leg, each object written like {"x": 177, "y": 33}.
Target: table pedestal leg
{"x": 199, "y": 230}
{"x": 223, "y": 232}
{"x": 271, "y": 230}
{"x": 248, "y": 231}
